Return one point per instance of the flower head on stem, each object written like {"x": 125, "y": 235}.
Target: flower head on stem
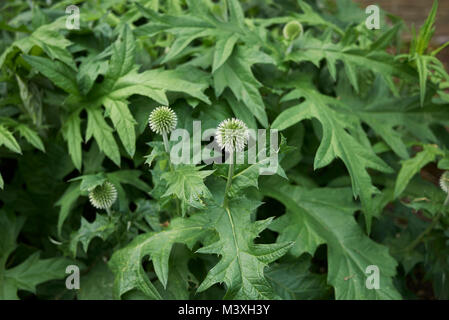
{"x": 162, "y": 121}
{"x": 103, "y": 196}
{"x": 232, "y": 135}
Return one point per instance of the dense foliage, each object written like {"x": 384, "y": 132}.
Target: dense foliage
{"x": 363, "y": 140}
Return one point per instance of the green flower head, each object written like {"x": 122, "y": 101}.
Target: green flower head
{"x": 103, "y": 196}
{"x": 162, "y": 120}
{"x": 292, "y": 30}
{"x": 232, "y": 135}
{"x": 444, "y": 181}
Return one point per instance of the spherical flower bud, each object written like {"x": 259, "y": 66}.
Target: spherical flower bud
{"x": 444, "y": 181}
{"x": 292, "y": 30}
{"x": 232, "y": 135}
{"x": 103, "y": 196}
{"x": 163, "y": 120}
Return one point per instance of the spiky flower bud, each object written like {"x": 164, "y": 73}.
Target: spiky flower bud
{"x": 444, "y": 181}
{"x": 103, "y": 196}
{"x": 232, "y": 135}
{"x": 292, "y": 30}
{"x": 162, "y": 120}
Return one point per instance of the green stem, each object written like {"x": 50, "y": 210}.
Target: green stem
{"x": 425, "y": 232}
{"x": 108, "y": 210}
{"x": 166, "y": 145}
{"x": 167, "y": 149}
{"x": 289, "y": 48}
{"x": 447, "y": 200}
{"x": 229, "y": 182}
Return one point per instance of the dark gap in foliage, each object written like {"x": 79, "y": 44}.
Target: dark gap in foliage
{"x": 319, "y": 260}
{"x": 99, "y": 79}
{"x": 417, "y": 282}
{"x": 8, "y": 168}
{"x": 89, "y": 212}
{"x": 141, "y": 21}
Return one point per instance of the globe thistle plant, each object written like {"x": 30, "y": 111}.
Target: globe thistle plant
{"x": 444, "y": 184}
{"x": 103, "y": 196}
{"x": 162, "y": 121}
{"x": 232, "y": 135}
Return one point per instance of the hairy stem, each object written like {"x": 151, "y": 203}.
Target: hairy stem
{"x": 229, "y": 182}
{"x": 167, "y": 149}
{"x": 166, "y": 145}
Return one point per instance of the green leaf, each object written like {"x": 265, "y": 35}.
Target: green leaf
{"x": 102, "y": 227}
{"x": 8, "y": 140}
{"x": 90, "y": 69}
{"x": 72, "y": 133}
{"x": 426, "y": 31}
{"x": 126, "y": 263}
{"x": 391, "y": 117}
{"x": 237, "y": 75}
{"x": 32, "y": 100}
{"x": 421, "y": 64}
{"x": 339, "y": 140}
{"x": 66, "y": 203}
{"x": 200, "y": 23}
{"x": 59, "y": 73}
{"x": 353, "y": 58}
{"x": 242, "y": 263}
{"x": 325, "y": 215}
{"x": 124, "y": 122}
{"x": 186, "y": 182}
{"x": 223, "y": 50}
{"x": 130, "y": 177}
{"x": 294, "y": 281}
{"x": 31, "y": 136}
{"x": 31, "y": 272}
{"x": 10, "y": 226}
{"x": 413, "y": 165}
{"x": 97, "y": 284}
{"x": 90, "y": 181}
{"x": 49, "y": 38}
{"x": 97, "y": 126}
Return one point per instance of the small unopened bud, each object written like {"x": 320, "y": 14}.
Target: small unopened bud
{"x": 292, "y": 30}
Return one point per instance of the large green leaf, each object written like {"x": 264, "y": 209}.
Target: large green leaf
{"x": 186, "y": 182}
{"x": 294, "y": 281}
{"x": 126, "y": 263}
{"x": 325, "y": 215}
{"x": 412, "y": 166}
{"x": 31, "y": 272}
{"x": 102, "y": 227}
{"x": 341, "y": 138}
{"x": 242, "y": 262}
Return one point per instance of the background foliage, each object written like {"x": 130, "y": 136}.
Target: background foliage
{"x": 363, "y": 118}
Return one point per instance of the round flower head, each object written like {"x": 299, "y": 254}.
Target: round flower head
{"x": 292, "y": 30}
{"x": 162, "y": 120}
{"x": 232, "y": 135}
{"x": 103, "y": 196}
{"x": 444, "y": 181}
